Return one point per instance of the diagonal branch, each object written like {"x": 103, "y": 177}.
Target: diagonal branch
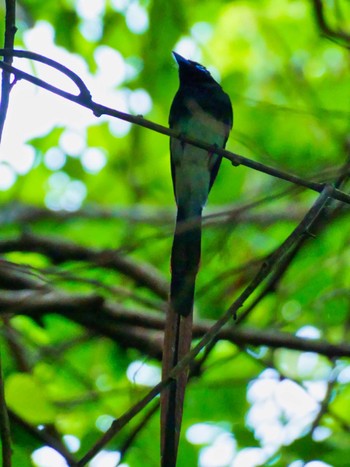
{"x": 265, "y": 270}
{"x": 236, "y": 159}
{"x": 322, "y": 23}
{"x": 6, "y": 85}
{"x": 83, "y": 90}
{"x": 43, "y": 437}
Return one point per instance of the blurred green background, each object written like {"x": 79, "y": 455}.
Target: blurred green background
{"x": 105, "y": 185}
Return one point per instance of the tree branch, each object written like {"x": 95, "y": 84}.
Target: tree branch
{"x": 325, "y": 28}
{"x": 44, "y": 437}
{"x": 98, "y": 110}
{"x": 6, "y": 86}
{"x": 265, "y": 270}
{"x": 61, "y": 251}
{"x": 142, "y": 329}
{"x": 4, "y": 425}
{"x": 96, "y": 310}
{"x": 140, "y": 426}
{"x": 25, "y": 214}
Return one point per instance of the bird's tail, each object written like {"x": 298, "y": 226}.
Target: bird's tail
{"x": 177, "y": 340}
{"x": 185, "y": 259}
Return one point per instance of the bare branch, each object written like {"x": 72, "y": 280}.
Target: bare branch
{"x": 322, "y": 23}
{"x": 6, "y": 85}
{"x": 236, "y": 159}
{"x": 4, "y": 425}
{"x": 142, "y": 329}
{"x": 60, "y": 251}
{"x": 44, "y": 437}
{"x": 84, "y": 93}
{"x": 140, "y": 426}
{"x": 265, "y": 270}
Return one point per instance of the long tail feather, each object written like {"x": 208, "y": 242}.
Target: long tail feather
{"x": 178, "y": 336}
{"x": 185, "y": 259}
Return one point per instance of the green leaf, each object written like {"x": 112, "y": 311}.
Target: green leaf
{"x": 28, "y": 398}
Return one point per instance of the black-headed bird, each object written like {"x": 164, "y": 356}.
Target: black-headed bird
{"x": 200, "y": 110}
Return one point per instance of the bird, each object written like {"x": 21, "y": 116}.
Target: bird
{"x": 203, "y": 111}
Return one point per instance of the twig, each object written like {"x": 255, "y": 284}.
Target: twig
{"x": 84, "y": 93}
{"x": 16, "y": 277}
{"x": 113, "y": 320}
{"x": 44, "y": 437}
{"x": 236, "y": 159}
{"x": 140, "y": 426}
{"x": 21, "y": 213}
{"x": 4, "y": 425}
{"x": 321, "y": 20}
{"x": 10, "y": 31}
{"x": 327, "y": 399}
{"x": 14, "y": 344}
{"x": 113, "y": 290}
{"x": 15, "y": 212}
{"x": 60, "y": 251}
{"x": 121, "y": 323}
{"x": 266, "y": 268}
{"x": 324, "y": 216}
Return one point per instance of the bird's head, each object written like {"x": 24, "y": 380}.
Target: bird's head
{"x": 192, "y": 72}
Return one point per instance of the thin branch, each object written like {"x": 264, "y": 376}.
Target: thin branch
{"x": 21, "y": 213}
{"x": 143, "y": 328}
{"x": 60, "y": 251}
{"x": 274, "y": 262}
{"x": 322, "y": 23}
{"x": 236, "y": 159}
{"x": 4, "y": 425}
{"x": 112, "y": 290}
{"x": 324, "y": 217}
{"x": 84, "y": 93}
{"x": 18, "y": 277}
{"x": 10, "y": 31}
{"x": 14, "y": 212}
{"x": 327, "y": 398}
{"x": 18, "y": 351}
{"x": 6, "y": 85}
{"x": 266, "y": 268}
{"x": 44, "y": 437}
{"x": 140, "y": 426}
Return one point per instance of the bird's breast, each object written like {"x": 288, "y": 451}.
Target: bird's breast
{"x": 192, "y": 164}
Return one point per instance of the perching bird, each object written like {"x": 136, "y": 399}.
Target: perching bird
{"x": 203, "y": 111}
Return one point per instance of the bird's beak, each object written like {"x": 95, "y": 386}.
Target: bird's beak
{"x": 180, "y": 60}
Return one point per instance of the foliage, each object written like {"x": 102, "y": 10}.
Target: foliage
{"x": 87, "y": 228}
